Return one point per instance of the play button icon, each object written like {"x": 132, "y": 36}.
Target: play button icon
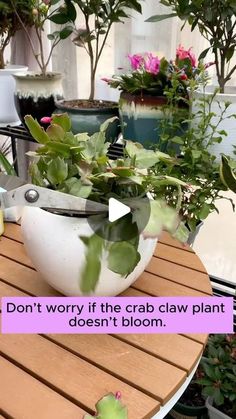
{"x": 117, "y": 210}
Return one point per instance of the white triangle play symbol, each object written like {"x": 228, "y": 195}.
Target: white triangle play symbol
{"x": 117, "y": 210}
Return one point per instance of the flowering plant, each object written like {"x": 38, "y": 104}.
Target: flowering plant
{"x": 151, "y": 75}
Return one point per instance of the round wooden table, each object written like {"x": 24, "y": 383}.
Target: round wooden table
{"x": 63, "y": 376}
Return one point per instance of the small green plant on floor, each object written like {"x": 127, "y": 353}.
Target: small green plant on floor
{"x": 109, "y": 407}
{"x": 219, "y": 373}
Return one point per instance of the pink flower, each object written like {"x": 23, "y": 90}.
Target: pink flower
{"x": 136, "y": 61}
{"x": 106, "y": 79}
{"x": 46, "y": 120}
{"x": 182, "y": 54}
{"x": 152, "y": 64}
{"x": 118, "y": 395}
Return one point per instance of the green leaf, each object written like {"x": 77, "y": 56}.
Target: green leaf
{"x": 65, "y": 32}
{"x": 161, "y": 217}
{"x": 7, "y": 167}
{"x": 63, "y": 120}
{"x": 182, "y": 233}
{"x": 159, "y": 18}
{"x": 123, "y": 258}
{"x": 36, "y": 130}
{"x": 57, "y": 171}
{"x": 106, "y": 124}
{"x": 75, "y": 187}
{"x": 59, "y": 18}
{"x": 92, "y": 268}
{"x": 111, "y": 408}
{"x": 204, "y": 211}
{"x": 55, "y": 132}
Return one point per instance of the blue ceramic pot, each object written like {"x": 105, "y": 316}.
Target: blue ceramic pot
{"x": 89, "y": 119}
{"x": 143, "y": 118}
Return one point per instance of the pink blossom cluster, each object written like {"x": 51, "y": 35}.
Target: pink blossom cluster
{"x": 149, "y": 62}
{"x": 182, "y": 54}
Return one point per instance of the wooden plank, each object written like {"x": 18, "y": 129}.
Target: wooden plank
{"x": 24, "y": 278}
{"x": 13, "y": 231}
{"x": 15, "y": 251}
{"x": 180, "y": 274}
{"x": 161, "y": 287}
{"x": 72, "y": 376}
{"x": 153, "y": 376}
{"x": 41, "y": 403}
{"x": 200, "y": 337}
{"x": 179, "y": 256}
{"x": 170, "y": 241}
{"x": 184, "y": 356}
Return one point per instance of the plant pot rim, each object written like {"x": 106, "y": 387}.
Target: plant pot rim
{"x": 209, "y": 405}
{"x": 10, "y": 69}
{"x": 34, "y": 75}
{"x": 61, "y": 104}
{"x": 209, "y": 90}
{"x": 140, "y": 99}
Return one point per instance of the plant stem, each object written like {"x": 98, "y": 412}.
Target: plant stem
{"x": 2, "y": 63}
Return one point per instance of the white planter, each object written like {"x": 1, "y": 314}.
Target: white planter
{"x": 8, "y": 114}
{"x": 213, "y": 412}
{"x": 53, "y": 244}
{"x": 228, "y": 125}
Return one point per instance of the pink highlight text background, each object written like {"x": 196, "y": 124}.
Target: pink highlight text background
{"x": 117, "y": 315}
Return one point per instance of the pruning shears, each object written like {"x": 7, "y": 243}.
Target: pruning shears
{"x": 20, "y": 193}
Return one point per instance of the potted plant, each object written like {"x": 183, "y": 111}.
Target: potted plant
{"x": 191, "y": 404}
{"x": 36, "y": 92}
{"x": 219, "y": 380}
{"x": 9, "y": 26}
{"x": 101, "y": 257}
{"x": 99, "y": 17}
{"x": 215, "y": 20}
{"x": 194, "y": 162}
{"x": 146, "y": 101}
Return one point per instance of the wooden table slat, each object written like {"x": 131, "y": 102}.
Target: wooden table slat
{"x": 13, "y": 231}
{"x": 14, "y": 250}
{"x": 156, "y": 285}
{"x": 127, "y": 363}
{"x": 172, "y": 254}
{"x": 165, "y": 238}
{"x": 180, "y": 274}
{"x": 162, "y": 347}
{"x": 80, "y": 369}
{"x": 73, "y": 376}
{"x": 16, "y": 401}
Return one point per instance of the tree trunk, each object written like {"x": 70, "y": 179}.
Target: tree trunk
{"x": 2, "y": 63}
{"x": 92, "y": 86}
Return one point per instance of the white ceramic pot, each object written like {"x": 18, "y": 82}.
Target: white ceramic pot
{"x": 213, "y": 412}
{"x": 53, "y": 244}
{"x": 8, "y": 113}
{"x": 228, "y": 125}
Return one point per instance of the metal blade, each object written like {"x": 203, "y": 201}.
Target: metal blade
{"x": 31, "y": 195}
{"x": 10, "y": 182}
